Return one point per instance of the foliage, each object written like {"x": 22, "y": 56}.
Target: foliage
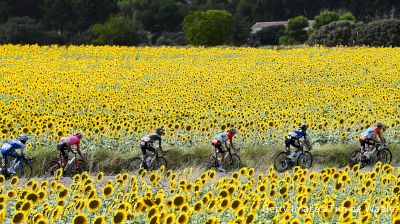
{"x": 324, "y": 18}
{"x": 21, "y": 30}
{"x": 213, "y": 27}
{"x": 348, "y": 16}
{"x": 267, "y": 36}
{"x": 333, "y": 34}
{"x": 118, "y": 30}
{"x": 379, "y": 33}
{"x": 295, "y": 32}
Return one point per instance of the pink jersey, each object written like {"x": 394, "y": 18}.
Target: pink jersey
{"x": 70, "y": 140}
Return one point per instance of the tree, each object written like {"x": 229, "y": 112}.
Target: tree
{"x": 21, "y": 30}
{"x": 78, "y": 15}
{"x": 324, "y": 18}
{"x": 333, "y": 34}
{"x": 211, "y": 28}
{"x": 295, "y": 32}
{"x": 118, "y": 30}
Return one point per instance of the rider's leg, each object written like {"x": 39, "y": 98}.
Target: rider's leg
{"x": 14, "y": 166}
{"x": 4, "y": 155}
{"x": 222, "y": 157}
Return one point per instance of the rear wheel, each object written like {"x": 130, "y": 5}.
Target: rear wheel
{"x": 52, "y": 168}
{"x": 385, "y": 156}
{"x": 281, "y": 163}
{"x": 211, "y": 163}
{"x": 354, "y": 157}
{"x": 232, "y": 162}
{"x": 134, "y": 164}
{"x": 80, "y": 166}
{"x": 305, "y": 160}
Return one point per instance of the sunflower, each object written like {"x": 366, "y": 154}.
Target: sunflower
{"x": 80, "y": 219}
{"x": 19, "y": 217}
{"x": 170, "y": 218}
{"x": 42, "y": 221}
{"x": 100, "y": 219}
{"x": 178, "y": 201}
{"x": 14, "y": 181}
{"x": 11, "y": 194}
{"x": 108, "y": 191}
{"x": 119, "y": 217}
{"x": 182, "y": 218}
{"x": 94, "y": 204}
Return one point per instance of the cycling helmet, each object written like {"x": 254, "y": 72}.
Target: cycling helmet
{"x": 381, "y": 125}
{"x": 79, "y": 135}
{"x": 23, "y": 138}
{"x": 160, "y": 131}
{"x": 232, "y": 131}
{"x": 303, "y": 127}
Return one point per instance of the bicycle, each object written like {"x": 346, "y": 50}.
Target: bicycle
{"x": 23, "y": 170}
{"x": 303, "y": 158}
{"x": 156, "y": 162}
{"x": 380, "y": 153}
{"x": 73, "y": 166}
{"x": 231, "y": 161}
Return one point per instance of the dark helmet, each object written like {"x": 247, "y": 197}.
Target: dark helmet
{"x": 303, "y": 127}
{"x": 380, "y": 125}
{"x": 160, "y": 131}
{"x": 232, "y": 131}
{"x": 23, "y": 138}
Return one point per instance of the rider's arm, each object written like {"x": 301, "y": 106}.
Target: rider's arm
{"x": 232, "y": 146}
{"x": 78, "y": 149}
{"x": 160, "y": 146}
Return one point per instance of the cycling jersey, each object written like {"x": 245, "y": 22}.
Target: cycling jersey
{"x": 297, "y": 134}
{"x": 151, "y": 138}
{"x": 224, "y": 137}
{"x": 70, "y": 140}
{"x": 371, "y": 132}
{"x": 12, "y": 146}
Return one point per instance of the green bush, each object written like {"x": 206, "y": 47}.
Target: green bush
{"x": 267, "y": 36}
{"x": 210, "y": 28}
{"x": 348, "y": 16}
{"x": 295, "y": 32}
{"x": 118, "y": 30}
{"x": 324, "y": 18}
{"x": 333, "y": 34}
{"x": 379, "y": 33}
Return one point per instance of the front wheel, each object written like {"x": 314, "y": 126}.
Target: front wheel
{"x": 385, "y": 156}
{"x": 158, "y": 163}
{"x": 232, "y": 162}
{"x": 281, "y": 163}
{"x": 354, "y": 157}
{"x": 80, "y": 166}
{"x": 305, "y": 160}
{"x": 24, "y": 170}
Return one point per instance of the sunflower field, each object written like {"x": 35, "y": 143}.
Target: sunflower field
{"x": 122, "y": 93}
{"x": 245, "y": 196}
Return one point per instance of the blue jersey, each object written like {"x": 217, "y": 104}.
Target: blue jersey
{"x": 13, "y": 145}
{"x": 297, "y": 134}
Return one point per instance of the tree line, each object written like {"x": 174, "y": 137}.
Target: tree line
{"x": 179, "y": 22}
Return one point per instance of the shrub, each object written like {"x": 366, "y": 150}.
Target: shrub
{"x": 267, "y": 36}
{"x": 379, "y": 33}
{"x": 118, "y": 30}
{"x": 211, "y": 28}
{"x": 324, "y": 18}
{"x": 333, "y": 34}
{"x": 348, "y": 16}
{"x": 295, "y": 32}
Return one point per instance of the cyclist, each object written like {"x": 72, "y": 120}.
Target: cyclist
{"x": 217, "y": 143}
{"x": 293, "y": 138}
{"x": 147, "y": 141}
{"x": 65, "y": 145}
{"x": 8, "y": 149}
{"x": 369, "y": 137}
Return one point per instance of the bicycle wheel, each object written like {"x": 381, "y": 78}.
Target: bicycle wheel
{"x": 134, "y": 164}
{"x": 305, "y": 160}
{"x": 281, "y": 164}
{"x": 385, "y": 156}
{"x": 79, "y": 167}
{"x": 211, "y": 163}
{"x": 232, "y": 162}
{"x": 158, "y": 163}
{"x": 52, "y": 168}
{"x": 24, "y": 170}
{"x": 354, "y": 157}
